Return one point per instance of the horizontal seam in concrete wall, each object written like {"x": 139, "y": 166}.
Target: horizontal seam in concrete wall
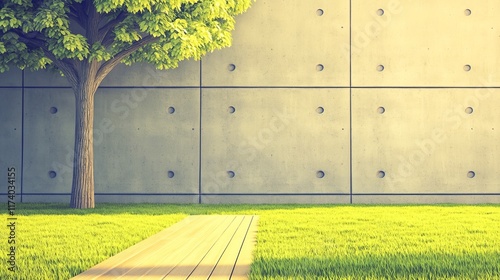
{"x": 147, "y": 87}
{"x": 48, "y": 87}
{"x": 423, "y": 87}
{"x": 275, "y": 87}
{"x": 275, "y": 194}
{"x": 114, "y": 87}
{"x": 423, "y": 194}
{"x": 257, "y": 87}
{"x": 174, "y": 194}
{"x": 209, "y": 194}
{"x": 282, "y": 194}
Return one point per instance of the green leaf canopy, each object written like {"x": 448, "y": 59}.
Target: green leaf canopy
{"x": 61, "y": 33}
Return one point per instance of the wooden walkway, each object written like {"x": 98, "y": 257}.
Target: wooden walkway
{"x": 198, "y": 247}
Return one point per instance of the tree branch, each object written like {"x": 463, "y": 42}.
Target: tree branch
{"x": 74, "y": 17}
{"x": 30, "y": 35}
{"x": 111, "y": 64}
{"x": 65, "y": 65}
{"x": 108, "y": 27}
{"x": 80, "y": 13}
{"x": 92, "y": 24}
{"x": 108, "y": 39}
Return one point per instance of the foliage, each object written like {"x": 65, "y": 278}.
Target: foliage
{"x": 293, "y": 241}
{"x": 60, "y": 33}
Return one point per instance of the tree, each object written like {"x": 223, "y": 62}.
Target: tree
{"x": 86, "y": 39}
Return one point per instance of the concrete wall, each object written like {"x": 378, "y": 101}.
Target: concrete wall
{"x": 391, "y": 101}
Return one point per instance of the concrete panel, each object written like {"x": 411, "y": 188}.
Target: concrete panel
{"x": 425, "y": 199}
{"x": 275, "y": 199}
{"x": 188, "y": 74}
{"x": 114, "y": 198}
{"x": 284, "y": 43}
{"x": 10, "y": 137}
{"x": 426, "y": 140}
{"x": 146, "y": 198}
{"x": 138, "y": 141}
{"x": 275, "y": 141}
{"x": 48, "y": 140}
{"x": 425, "y": 43}
{"x": 44, "y": 78}
{"x": 12, "y": 78}
{"x": 48, "y": 198}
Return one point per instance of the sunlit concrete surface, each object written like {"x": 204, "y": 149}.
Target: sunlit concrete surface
{"x": 425, "y": 43}
{"x": 425, "y": 141}
{"x": 285, "y": 43}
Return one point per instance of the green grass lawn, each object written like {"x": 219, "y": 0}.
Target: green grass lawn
{"x": 293, "y": 241}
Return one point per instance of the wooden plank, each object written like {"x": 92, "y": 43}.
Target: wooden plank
{"x": 207, "y": 265}
{"x": 154, "y": 265}
{"x": 245, "y": 258}
{"x": 134, "y": 250}
{"x": 187, "y": 266}
{"x": 163, "y": 252}
{"x": 198, "y": 247}
{"x": 226, "y": 263}
{"x": 142, "y": 252}
{"x": 181, "y": 266}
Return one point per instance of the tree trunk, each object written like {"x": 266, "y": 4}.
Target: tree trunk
{"x": 82, "y": 193}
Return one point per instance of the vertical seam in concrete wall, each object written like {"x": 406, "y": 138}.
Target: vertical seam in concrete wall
{"x": 200, "y": 136}
{"x": 22, "y": 133}
{"x": 350, "y": 101}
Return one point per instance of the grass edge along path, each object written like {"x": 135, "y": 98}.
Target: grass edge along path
{"x": 293, "y": 241}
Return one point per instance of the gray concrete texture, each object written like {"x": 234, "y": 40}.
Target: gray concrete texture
{"x": 11, "y": 137}
{"x": 155, "y": 132}
{"x": 391, "y": 101}
{"x": 275, "y": 141}
{"x": 425, "y": 140}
